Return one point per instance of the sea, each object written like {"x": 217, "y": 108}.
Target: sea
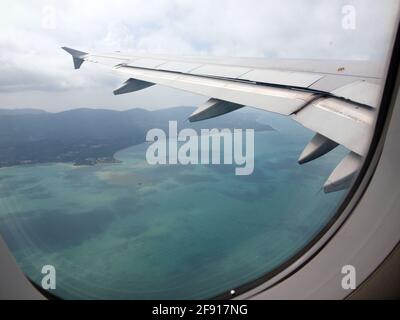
{"x": 132, "y": 230}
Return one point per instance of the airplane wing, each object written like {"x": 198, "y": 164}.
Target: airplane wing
{"x": 336, "y": 99}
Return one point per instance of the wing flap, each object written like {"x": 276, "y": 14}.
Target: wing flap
{"x": 146, "y": 63}
{"x": 363, "y": 92}
{"x": 220, "y": 71}
{"x": 331, "y": 82}
{"x": 340, "y": 121}
{"x": 176, "y": 66}
{"x": 285, "y": 78}
{"x": 279, "y": 100}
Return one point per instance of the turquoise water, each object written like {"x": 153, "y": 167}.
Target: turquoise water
{"x": 135, "y": 231}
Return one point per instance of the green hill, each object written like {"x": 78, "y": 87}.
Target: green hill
{"x": 90, "y": 136}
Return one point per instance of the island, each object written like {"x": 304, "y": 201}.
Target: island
{"x": 93, "y": 136}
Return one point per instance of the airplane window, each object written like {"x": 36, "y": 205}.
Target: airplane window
{"x": 182, "y": 174}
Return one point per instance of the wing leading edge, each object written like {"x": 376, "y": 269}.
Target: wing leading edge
{"x": 336, "y": 99}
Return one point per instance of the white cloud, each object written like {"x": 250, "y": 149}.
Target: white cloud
{"x": 34, "y": 71}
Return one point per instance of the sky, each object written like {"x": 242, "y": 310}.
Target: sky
{"x": 36, "y": 73}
